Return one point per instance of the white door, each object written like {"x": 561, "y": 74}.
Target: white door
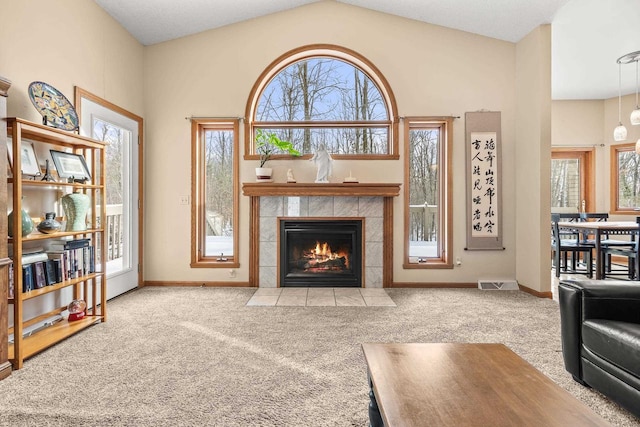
{"x": 121, "y": 224}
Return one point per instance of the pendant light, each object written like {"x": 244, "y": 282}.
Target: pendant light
{"x": 635, "y": 114}
{"x": 620, "y": 132}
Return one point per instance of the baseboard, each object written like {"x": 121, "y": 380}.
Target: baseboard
{"x": 5, "y": 370}
{"x": 432, "y": 285}
{"x": 196, "y": 283}
{"x": 536, "y": 293}
{"x": 461, "y": 285}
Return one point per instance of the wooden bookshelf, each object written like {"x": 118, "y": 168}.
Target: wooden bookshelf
{"x": 5, "y": 262}
{"x": 89, "y": 287}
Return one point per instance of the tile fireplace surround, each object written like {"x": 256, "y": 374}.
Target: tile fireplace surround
{"x": 373, "y": 203}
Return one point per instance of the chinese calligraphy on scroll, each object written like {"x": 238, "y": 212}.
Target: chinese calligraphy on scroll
{"x": 484, "y": 197}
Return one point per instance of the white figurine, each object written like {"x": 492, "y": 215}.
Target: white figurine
{"x": 322, "y": 159}
{"x": 290, "y": 177}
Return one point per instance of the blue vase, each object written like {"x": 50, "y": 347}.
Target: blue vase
{"x": 27, "y": 223}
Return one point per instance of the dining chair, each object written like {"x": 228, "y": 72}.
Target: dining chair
{"x": 606, "y": 240}
{"x": 566, "y": 243}
{"x": 631, "y": 251}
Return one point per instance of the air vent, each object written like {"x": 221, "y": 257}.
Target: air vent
{"x": 498, "y": 285}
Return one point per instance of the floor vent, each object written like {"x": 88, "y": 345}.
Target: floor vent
{"x": 498, "y": 285}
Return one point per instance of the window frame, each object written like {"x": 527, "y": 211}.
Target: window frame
{"x": 327, "y": 51}
{"x": 198, "y": 208}
{"x": 587, "y": 171}
{"x": 614, "y": 207}
{"x": 445, "y": 237}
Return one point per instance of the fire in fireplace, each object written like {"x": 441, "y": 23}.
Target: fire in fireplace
{"x": 320, "y": 252}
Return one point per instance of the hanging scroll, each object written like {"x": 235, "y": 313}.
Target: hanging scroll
{"x": 484, "y": 174}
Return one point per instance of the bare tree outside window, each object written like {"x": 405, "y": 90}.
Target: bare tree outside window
{"x": 565, "y": 183}
{"x": 218, "y": 165}
{"x": 325, "y": 101}
{"x": 424, "y": 183}
{"x": 115, "y": 137}
{"x": 428, "y": 192}
{"x": 628, "y": 180}
{"x": 117, "y": 140}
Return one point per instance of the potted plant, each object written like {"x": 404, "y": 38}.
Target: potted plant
{"x": 267, "y": 143}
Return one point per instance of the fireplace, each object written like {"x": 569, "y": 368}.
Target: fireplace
{"x": 320, "y": 252}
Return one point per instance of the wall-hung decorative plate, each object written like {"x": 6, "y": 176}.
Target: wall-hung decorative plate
{"x": 55, "y": 108}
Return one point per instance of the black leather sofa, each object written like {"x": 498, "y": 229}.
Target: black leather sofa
{"x": 600, "y": 322}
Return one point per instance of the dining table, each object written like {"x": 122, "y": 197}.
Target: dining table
{"x": 598, "y": 229}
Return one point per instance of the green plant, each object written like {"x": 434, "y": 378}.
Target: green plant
{"x": 267, "y": 143}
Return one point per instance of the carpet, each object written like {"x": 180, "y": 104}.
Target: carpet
{"x": 200, "y": 357}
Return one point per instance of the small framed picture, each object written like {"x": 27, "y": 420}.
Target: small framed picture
{"x": 70, "y": 165}
{"x": 28, "y": 159}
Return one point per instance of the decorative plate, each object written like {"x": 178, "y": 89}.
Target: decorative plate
{"x": 55, "y": 108}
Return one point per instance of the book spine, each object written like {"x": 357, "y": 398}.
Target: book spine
{"x": 50, "y": 272}
{"x": 11, "y": 281}
{"x": 27, "y": 278}
{"x": 92, "y": 259}
{"x": 39, "y": 279}
{"x": 59, "y": 270}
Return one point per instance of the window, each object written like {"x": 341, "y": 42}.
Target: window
{"x": 572, "y": 179}
{"x": 625, "y": 179}
{"x": 428, "y": 193}
{"x": 214, "y": 193}
{"x": 324, "y": 96}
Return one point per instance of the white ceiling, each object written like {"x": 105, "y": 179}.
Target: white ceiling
{"x": 587, "y": 35}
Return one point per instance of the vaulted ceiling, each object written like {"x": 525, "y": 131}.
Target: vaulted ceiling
{"x": 587, "y": 35}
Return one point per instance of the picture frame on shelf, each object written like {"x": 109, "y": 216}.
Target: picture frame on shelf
{"x": 28, "y": 159}
{"x": 70, "y": 165}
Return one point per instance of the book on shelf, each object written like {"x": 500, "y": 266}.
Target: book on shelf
{"x": 27, "y": 278}
{"x": 75, "y": 263}
{"x": 39, "y": 280}
{"x": 33, "y": 257}
{"x": 50, "y": 272}
{"x": 59, "y": 270}
{"x": 30, "y": 330}
{"x": 65, "y": 245}
{"x": 61, "y": 260}
{"x": 11, "y": 281}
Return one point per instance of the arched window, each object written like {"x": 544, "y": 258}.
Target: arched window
{"x": 324, "y": 95}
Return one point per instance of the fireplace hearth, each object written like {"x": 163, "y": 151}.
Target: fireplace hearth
{"x": 320, "y": 252}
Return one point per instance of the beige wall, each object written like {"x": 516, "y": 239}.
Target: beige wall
{"x": 577, "y": 123}
{"x": 68, "y": 43}
{"x": 580, "y": 123}
{"x": 432, "y": 71}
{"x": 533, "y": 153}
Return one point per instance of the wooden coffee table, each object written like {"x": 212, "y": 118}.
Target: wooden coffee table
{"x": 465, "y": 385}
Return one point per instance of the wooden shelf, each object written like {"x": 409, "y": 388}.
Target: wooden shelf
{"x": 312, "y": 189}
{"x": 53, "y": 136}
{"x": 51, "y": 335}
{"x": 51, "y": 288}
{"x": 55, "y": 184}
{"x": 43, "y": 236}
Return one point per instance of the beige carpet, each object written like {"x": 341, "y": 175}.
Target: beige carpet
{"x": 200, "y": 357}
